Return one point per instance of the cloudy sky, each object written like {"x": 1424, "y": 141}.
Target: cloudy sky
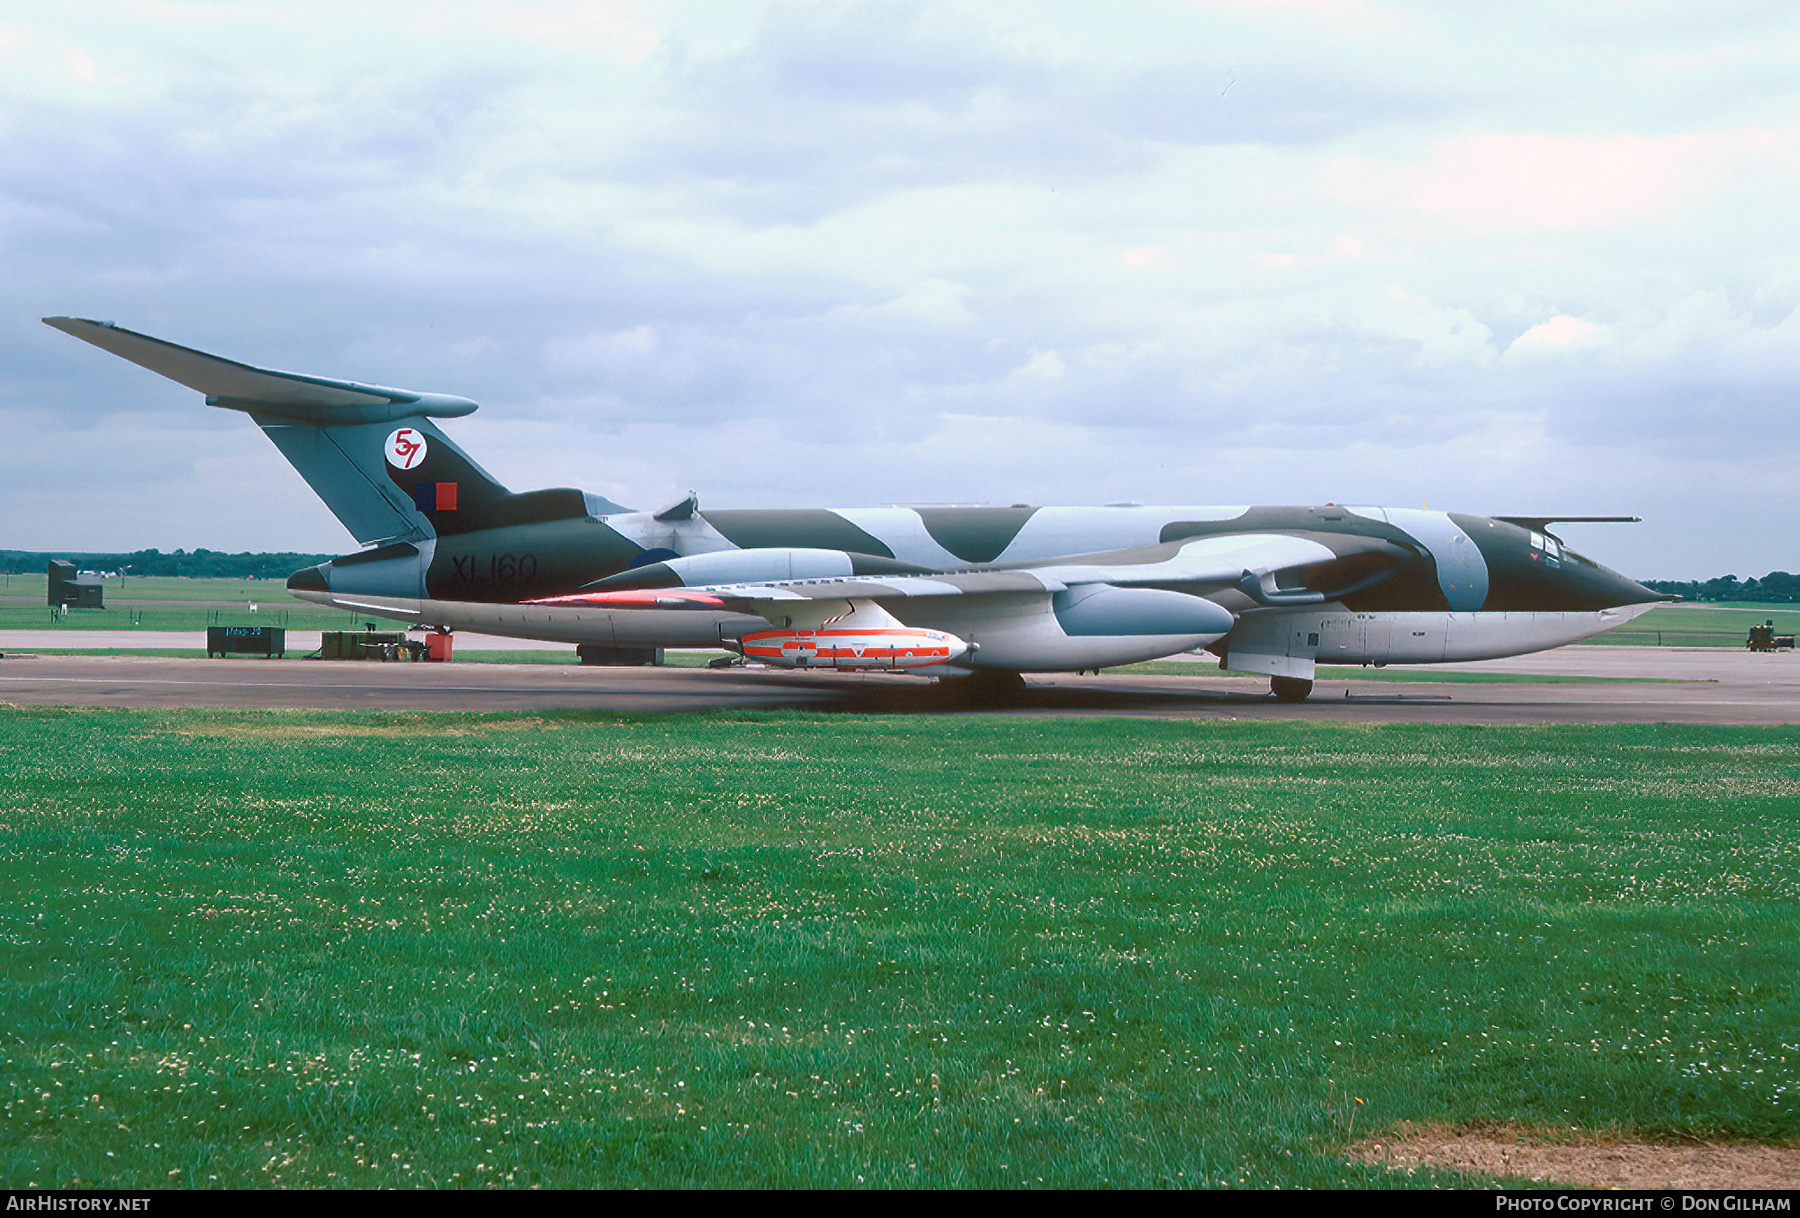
{"x": 1521, "y": 258}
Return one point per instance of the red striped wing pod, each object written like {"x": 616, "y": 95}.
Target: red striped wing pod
{"x": 850, "y": 648}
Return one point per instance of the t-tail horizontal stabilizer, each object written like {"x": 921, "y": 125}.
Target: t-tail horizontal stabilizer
{"x": 264, "y": 391}
{"x": 369, "y": 451}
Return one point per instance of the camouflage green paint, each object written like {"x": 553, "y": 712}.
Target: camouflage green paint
{"x": 526, "y": 561}
{"x": 481, "y": 502}
{"x": 1322, "y": 521}
{"x": 975, "y": 534}
{"x": 809, "y": 528}
{"x": 1523, "y": 578}
{"x": 1392, "y": 574}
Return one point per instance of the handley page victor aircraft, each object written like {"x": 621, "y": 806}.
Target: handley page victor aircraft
{"x": 946, "y": 591}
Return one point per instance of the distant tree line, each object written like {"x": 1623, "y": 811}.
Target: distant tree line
{"x": 195, "y": 564}
{"x": 1777, "y": 587}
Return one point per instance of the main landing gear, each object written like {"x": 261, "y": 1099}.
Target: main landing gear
{"x": 1290, "y": 689}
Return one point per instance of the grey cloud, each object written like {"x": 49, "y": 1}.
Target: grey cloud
{"x": 818, "y": 266}
{"x": 833, "y": 104}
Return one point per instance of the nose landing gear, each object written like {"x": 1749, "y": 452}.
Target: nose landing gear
{"x": 1290, "y": 689}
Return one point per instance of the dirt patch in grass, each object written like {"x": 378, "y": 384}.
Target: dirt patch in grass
{"x": 1588, "y": 1162}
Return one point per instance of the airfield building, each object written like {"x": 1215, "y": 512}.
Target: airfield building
{"x": 74, "y": 589}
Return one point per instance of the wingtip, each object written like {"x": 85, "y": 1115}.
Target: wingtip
{"x": 67, "y": 323}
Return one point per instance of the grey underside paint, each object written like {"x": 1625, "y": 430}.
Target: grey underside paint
{"x": 637, "y": 627}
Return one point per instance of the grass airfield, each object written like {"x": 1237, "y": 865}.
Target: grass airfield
{"x": 577, "y": 950}
{"x": 154, "y": 602}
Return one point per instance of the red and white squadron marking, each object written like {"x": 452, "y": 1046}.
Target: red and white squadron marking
{"x": 405, "y": 448}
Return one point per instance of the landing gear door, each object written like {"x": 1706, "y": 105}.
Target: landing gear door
{"x": 1303, "y": 637}
{"x": 1376, "y": 631}
{"x": 1280, "y": 643}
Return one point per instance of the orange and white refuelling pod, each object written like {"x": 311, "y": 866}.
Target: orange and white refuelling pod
{"x": 867, "y": 638}
{"x": 879, "y": 648}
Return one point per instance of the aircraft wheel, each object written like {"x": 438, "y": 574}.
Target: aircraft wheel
{"x": 1290, "y": 689}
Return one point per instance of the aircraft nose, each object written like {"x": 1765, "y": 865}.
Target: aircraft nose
{"x": 309, "y": 579}
{"x": 1630, "y": 592}
{"x": 1604, "y": 588}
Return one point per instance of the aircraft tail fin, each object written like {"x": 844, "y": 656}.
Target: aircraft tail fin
{"x": 370, "y": 452}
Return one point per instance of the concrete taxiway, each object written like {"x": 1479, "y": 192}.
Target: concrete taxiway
{"x": 1677, "y": 685}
